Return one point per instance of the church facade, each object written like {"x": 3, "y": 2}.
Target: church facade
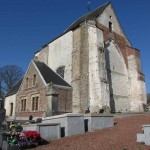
{"x": 95, "y": 65}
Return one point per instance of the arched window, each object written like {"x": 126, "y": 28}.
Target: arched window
{"x": 61, "y": 71}
{"x": 11, "y": 109}
{"x": 23, "y": 105}
{"x": 34, "y": 79}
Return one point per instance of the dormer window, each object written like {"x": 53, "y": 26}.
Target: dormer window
{"x": 61, "y": 71}
{"x": 110, "y": 27}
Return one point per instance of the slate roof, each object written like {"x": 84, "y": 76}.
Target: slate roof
{"x": 14, "y": 89}
{"x": 49, "y": 75}
{"x": 91, "y": 15}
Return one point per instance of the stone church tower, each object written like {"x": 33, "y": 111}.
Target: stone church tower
{"x": 99, "y": 63}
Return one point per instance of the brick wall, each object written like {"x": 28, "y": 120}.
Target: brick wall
{"x": 30, "y": 91}
{"x": 64, "y": 101}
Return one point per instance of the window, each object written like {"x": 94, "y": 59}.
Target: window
{"x": 11, "y": 109}
{"x": 61, "y": 71}
{"x": 110, "y": 27}
{"x": 27, "y": 82}
{"x": 23, "y": 104}
{"x": 35, "y": 103}
{"x": 34, "y": 79}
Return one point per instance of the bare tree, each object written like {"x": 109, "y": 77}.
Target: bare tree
{"x": 9, "y": 76}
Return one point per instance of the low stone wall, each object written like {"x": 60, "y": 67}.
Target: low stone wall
{"x": 97, "y": 121}
{"x": 48, "y": 131}
{"x": 71, "y": 124}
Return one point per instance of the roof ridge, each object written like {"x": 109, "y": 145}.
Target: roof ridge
{"x": 89, "y": 13}
{"x": 79, "y": 21}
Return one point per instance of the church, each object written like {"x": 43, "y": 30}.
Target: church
{"x": 92, "y": 65}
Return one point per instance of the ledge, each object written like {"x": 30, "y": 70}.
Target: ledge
{"x": 63, "y": 116}
{"x": 42, "y": 124}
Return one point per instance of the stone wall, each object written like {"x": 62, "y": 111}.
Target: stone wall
{"x": 135, "y": 84}
{"x": 117, "y": 78}
{"x": 8, "y": 100}
{"x": 76, "y": 67}
{"x": 60, "y": 54}
{"x": 137, "y": 88}
{"x": 43, "y": 55}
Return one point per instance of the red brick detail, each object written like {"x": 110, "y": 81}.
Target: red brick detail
{"x": 133, "y": 51}
{"x": 119, "y": 40}
{"x": 27, "y": 114}
{"x": 141, "y": 77}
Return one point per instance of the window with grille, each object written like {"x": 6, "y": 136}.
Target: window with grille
{"x": 61, "y": 71}
{"x": 23, "y": 104}
{"x": 35, "y": 101}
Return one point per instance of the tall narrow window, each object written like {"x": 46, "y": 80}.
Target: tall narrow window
{"x": 34, "y": 79}
{"x": 23, "y": 104}
{"x": 61, "y": 71}
{"x": 110, "y": 27}
{"x": 27, "y": 82}
{"x": 35, "y": 103}
{"x": 11, "y": 109}
{"x": 33, "y": 99}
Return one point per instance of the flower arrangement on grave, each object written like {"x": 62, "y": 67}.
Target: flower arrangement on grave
{"x": 24, "y": 140}
{"x": 16, "y": 127}
{"x": 11, "y": 137}
{"x": 33, "y": 136}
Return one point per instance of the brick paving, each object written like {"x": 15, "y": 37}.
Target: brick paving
{"x": 123, "y": 134}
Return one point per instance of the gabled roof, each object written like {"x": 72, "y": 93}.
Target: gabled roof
{"x": 91, "y": 15}
{"x": 49, "y": 75}
{"x": 14, "y": 89}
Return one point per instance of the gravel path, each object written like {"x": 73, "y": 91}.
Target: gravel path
{"x": 123, "y": 134}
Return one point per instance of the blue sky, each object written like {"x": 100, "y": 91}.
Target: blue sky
{"x": 26, "y": 25}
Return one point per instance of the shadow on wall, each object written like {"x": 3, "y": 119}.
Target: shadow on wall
{"x": 109, "y": 78}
